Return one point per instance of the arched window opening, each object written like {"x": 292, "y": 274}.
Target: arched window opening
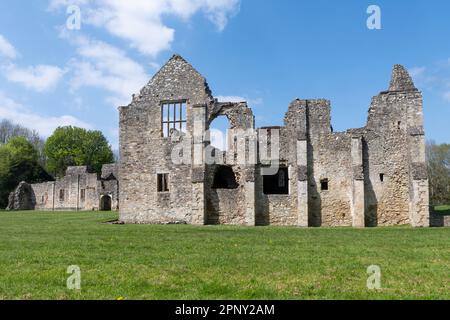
{"x": 218, "y": 132}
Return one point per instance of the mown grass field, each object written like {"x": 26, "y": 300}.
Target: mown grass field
{"x": 187, "y": 262}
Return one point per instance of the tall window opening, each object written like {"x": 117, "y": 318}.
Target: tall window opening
{"x": 278, "y": 183}
{"x": 163, "y": 182}
{"x": 173, "y": 116}
{"x": 218, "y": 132}
{"x": 324, "y": 185}
{"x": 61, "y": 195}
{"x": 82, "y": 195}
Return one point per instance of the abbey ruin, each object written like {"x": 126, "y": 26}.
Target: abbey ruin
{"x": 301, "y": 174}
{"x": 80, "y": 189}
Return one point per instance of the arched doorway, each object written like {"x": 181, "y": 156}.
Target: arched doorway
{"x": 105, "y": 203}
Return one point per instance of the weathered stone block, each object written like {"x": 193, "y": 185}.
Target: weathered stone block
{"x": 419, "y": 171}
{"x": 302, "y": 173}
{"x": 416, "y": 131}
{"x": 358, "y": 172}
{"x": 249, "y": 175}
{"x": 198, "y": 175}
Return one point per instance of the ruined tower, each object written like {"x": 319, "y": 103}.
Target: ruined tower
{"x": 397, "y": 187}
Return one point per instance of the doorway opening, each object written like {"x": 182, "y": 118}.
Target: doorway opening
{"x": 105, "y": 203}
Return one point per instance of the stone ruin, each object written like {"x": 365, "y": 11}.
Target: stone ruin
{"x": 79, "y": 190}
{"x": 366, "y": 177}
{"x": 22, "y": 198}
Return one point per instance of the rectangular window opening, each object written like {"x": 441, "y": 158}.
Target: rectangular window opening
{"x": 173, "y": 117}
{"x": 61, "y": 195}
{"x": 278, "y": 183}
{"x": 163, "y": 182}
{"x": 382, "y": 177}
{"x": 83, "y": 195}
{"x": 324, "y": 185}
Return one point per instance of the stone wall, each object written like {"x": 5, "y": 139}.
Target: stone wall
{"x": 145, "y": 153}
{"x": 79, "y": 189}
{"x": 439, "y": 220}
{"x": 371, "y": 176}
{"x": 22, "y": 198}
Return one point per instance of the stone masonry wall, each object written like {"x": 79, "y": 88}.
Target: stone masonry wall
{"x": 371, "y": 176}
{"x": 145, "y": 152}
{"x": 67, "y": 193}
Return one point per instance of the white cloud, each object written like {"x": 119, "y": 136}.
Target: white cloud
{"x": 7, "y": 49}
{"x": 141, "y": 22}
{"x": 235, "y": 99}
{"x": 433, "y": 78}
{"x": 416, "y": 71}
{"x": 17, "y": 113}
{"x": 101, "y": 65}
{"x": 231, "y": 99}
{"x": 447, "y": 96}
{"x": 40, "y": 78}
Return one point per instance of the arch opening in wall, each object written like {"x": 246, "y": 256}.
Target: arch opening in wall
{"x": 224, "y": 178}
{"x": 218, "y": 133}
{"x": 105, "y": 203}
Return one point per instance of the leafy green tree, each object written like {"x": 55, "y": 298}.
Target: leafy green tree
{"x": 72, "y": 146}
{"x": 19, "y": 161}
{"x": 438, "y": 162}
{"x": 9, "y": 130}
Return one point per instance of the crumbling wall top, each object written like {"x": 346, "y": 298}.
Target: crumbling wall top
{"x": 110, "y": 171}
{"x": 401, "y": 80}
{"x": 177, "y": 72}
{"x": 75, "y": 170}
{"x": 239, "y": 114}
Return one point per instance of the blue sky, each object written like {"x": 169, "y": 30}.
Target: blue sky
{"x": 267, "y": 52}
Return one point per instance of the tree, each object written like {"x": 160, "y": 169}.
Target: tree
{"x": 438, "y": 163}
{"x": 9, "y": 130}
{"x": 72, "y": 146}
{"x": 19, "y": 162}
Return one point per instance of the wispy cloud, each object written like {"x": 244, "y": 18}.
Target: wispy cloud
{"x": 7, "y": 49}
{"x": 17, "y": 113}
{"x": 101, "y": 65}
{"x": 250, "y": 101}
{"x": 39, "y": 78}
{"x": 446, "y": 96}
{"x": 141, "y": 24}
{"x": 434, "y": 78}
{"x": 417, "y": 71}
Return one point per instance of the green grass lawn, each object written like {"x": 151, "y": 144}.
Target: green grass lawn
{"x": 188, "y": 262}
